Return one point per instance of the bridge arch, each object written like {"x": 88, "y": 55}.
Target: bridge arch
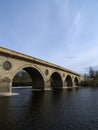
{"x": 56, "y": 81}
{"x": 68, "y": 81}
{"x": 76, "y": 81}
{"x": 36, "y": 75}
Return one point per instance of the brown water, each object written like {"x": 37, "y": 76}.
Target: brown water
{"x": 48, "y": 110}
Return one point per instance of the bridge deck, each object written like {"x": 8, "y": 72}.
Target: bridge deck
{"x": 21, "y": 56}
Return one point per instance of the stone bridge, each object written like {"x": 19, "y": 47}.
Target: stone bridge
{"x": 44, "y": 75}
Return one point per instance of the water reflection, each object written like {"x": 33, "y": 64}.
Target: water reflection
{"x": 74, "y": 109}
{"x": 4, "y": 110}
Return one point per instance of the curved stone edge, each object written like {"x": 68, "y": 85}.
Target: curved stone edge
{"x": 8, "y": 94}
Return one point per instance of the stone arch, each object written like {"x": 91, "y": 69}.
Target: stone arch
{"x": 68, "y": 81}
{"x": 36, "y": 75}
{"x": 76, "y": 81}
{"x": 56, "y": 81}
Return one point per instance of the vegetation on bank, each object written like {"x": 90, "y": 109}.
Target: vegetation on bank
{"x": 90, "y": 79}
{"x": 22, "y": 78}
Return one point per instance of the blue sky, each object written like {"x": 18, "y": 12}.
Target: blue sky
{"x": 64, "y": 32}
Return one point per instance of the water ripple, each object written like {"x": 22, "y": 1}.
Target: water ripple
{"x": 64, "y": 110}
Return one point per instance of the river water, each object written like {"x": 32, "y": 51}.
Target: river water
{"x": 75, "y": 109}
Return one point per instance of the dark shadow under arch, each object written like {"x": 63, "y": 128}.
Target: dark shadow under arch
{"x": 68, "y": 81}
{"x": 76, "y": 81}
{"x": 56, "y": 81}
{"x": 37, "y": 80}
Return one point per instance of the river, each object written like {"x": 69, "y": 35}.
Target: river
{"x": 75, "y": 109}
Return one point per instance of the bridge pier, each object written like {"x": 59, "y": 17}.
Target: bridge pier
{"x": 73, "y": 84}
{"x": 5, "y": 87}
{"x": 47, "y": 84}
{"x": 44, "y": 75}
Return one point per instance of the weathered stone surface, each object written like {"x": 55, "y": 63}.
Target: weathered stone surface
{"x": 17, "y": 61}
{"x": 5, "y": 80}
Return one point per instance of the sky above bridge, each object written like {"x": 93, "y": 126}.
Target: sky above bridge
{"x": 64, "y": 32}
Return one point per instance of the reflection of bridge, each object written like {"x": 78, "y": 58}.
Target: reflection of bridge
{"x": 43, "y": 74}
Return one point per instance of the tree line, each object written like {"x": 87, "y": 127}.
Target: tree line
{"x": 91, "y": 78}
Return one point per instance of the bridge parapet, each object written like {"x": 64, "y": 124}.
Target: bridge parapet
{"x": 45, "y": 73}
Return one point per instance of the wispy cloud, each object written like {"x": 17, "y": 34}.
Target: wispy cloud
{"x": 63, "y": 32}
{"x": 75, "y": 26}
{"x": 70, "y": 57}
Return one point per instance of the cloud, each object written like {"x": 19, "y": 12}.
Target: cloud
{"x": 62, "y": 32}
{"x": 94, "y": 67}
{"x": 74, "y": 28}
{"x": 86, "y": 69}
{"x": 70, "y": 57}
{"x": 76, "y": 22}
